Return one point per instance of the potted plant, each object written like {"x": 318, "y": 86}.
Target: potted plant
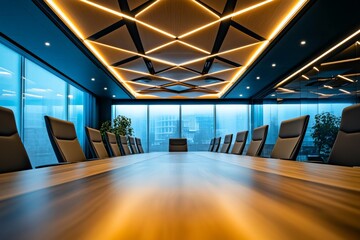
{"x": 324, "y": 133}
{"x": 121, "y": 125}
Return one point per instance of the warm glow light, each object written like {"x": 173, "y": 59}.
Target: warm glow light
{"x": 205, "y": 8}
{"x": 147, "y": 8}
{"x": 226, "y": 17}
{"x": 318, "y": 58}
{"x": 340, "y": 61}
{"x": 316, "y": 69}
{"x": 177, "y": 41}
{"x": 161, "y": 46}
{"x": 327, "y": 86}
{"x": 146, "y": 74}
{"x": 119, "y": 14}
{"x": 285, "y": 90}
{"x": 345, "y": 78}
{"x": 307, "y": 78}
{"x": 344, "y": 91}
{"x": 192, "y": 46}
{"x": 208, "y": 74}
{"x": 213, "y": 84}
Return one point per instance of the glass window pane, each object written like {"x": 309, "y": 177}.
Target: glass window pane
{"x": 231, "y": 119}
{"x": 138, "y": 116}
{"x": 10, "y": 65}
{"x": 44, "y": 94}
{"x": 164, "y": 124}
{"x": 197, "y": 126}
{"x": 76, "y": 99}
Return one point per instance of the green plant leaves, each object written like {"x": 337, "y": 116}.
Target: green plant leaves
{"x": 121, "y": 125}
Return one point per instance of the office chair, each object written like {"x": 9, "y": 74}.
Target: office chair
{"x": 96, "y": 143}
{"x": 239, "y": 143}
{"x": 227, "y": 142}
{"x": 346, "y": 149}
{"x": 258, "y": 141}
{"x": 290, "y": 138}
{"x": 178, "y": 145}
{"x": 13, "y": 156}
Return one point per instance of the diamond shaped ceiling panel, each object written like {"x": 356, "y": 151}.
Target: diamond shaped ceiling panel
{"x": 176, "y": 16}
{"x": 176, "y": 48}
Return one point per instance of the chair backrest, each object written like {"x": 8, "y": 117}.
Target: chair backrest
{"x": 139, "y": 146}
{"x": 13, "y": 156}
{"x": 96, "y": 143}
{"x": 346, "y": 149}
{"x": 133, "y": 145}
{"x": 64, "y": 141}
{"x": 216, "y": 144}
{"x": 227, "y": 142}
{"x": 211, "y": 146}
{"x": 290, "y": 138}
{"x": 257, "y": 141}
{"x": 178, "y": 145}
{"x": 124, "y": 147}
{"x": 240, "y": 142}
{"x": 112, "y": 144}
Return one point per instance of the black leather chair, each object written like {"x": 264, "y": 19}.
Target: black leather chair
{"x": 112, "y": 144}
{"x": 133, "y": 145}
{"x": 13, "y": 156}
{"x": 211, "y": 146}
{"x": 139, "y": 145}
{"x": 178, "y": 145}
{"x": 239, "y": 143}
{"x": 346, "y": 149}
{"x": 258, "y": 141}
{"x": 96, "y": 143}
{"x": 227, "y": 142}
{"x": 291, "y": 136}
{"x": 216, "y": 144}
{"x": 124, "y": 147}
{"x": 64, "y": 141}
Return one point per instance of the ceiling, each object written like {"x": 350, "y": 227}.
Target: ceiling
{"x": 176, "y": 49}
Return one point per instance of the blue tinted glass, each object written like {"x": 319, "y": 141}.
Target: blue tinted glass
{"x": 197, "y": 125}
{"x": 164, "y": 124}
{"x": 10, "y": 64}
{"x": 138, "y": 116}
{"x": 76, "y": 99}
{"x": 44, "y": 94}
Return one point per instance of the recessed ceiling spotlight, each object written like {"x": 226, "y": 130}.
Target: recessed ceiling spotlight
{"x": 303, "y": 42}
{"x": 93, "y": 79}
{"x": 273, "y": 65}
{"x": 105, "y": 88}
{"x": 47, "y": 44}
{"x": 273, "y": 95}
{"x": 257, "y": 77}
{"x": 248, "y": 87}
{"x": 114, "y": 96}
{"x": 240, "y": 95}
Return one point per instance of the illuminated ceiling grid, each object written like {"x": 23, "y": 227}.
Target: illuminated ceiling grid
{"x": 176, "y": 48}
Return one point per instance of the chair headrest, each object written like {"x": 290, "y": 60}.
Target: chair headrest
{"x": 241, "y": 136}
{"x": 260, "y": 132}
{"x": 350, "y": 120}
{"x": 94, "y": 134}
{"x": 7, "y": 122}
{"x": 61, "y": 129}
{"x": 293, "y": 127}
{"x": 228, "y": 138}
{"x": 177, "y": 141}
{"x": 111, "y": 137}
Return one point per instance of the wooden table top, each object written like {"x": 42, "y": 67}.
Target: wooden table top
{"x": 194, "y": 195}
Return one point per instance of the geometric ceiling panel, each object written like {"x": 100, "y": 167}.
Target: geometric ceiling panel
{"x": 119, "y": 38}
{"x": 264, "y": 19}
{"x": 83, "y": 15}
{"x": 176, "y": 53}
{"x": 235, "y": 38}
{"x": 176, "y": 17}
{"x": 136, "y": 65}
{"x": 197, "y": 38}
{"x": 217, "y": 5}
{"x": 151, "y": 39}
{"x": 174, "y": 48}
{"x": 240, "y": 56}
{"x": 178, "y": 73}
{"x": 219, "y": 66}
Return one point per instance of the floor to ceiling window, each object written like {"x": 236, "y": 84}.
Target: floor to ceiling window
{"x": 32, "y": 92}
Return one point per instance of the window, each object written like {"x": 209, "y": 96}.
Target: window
{"x": 10, "y": 79}
{"x": 76, "y": 101}
{"x": 44, "y": 94}
{"x": 138, "y": 116}
{"x": 197, "y": 125}
{"x": 164, "y": 124}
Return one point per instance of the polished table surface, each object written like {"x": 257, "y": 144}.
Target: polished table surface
{"x": 194, "y": 195}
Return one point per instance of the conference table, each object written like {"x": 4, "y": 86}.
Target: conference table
{"x": 192, "y": 195}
